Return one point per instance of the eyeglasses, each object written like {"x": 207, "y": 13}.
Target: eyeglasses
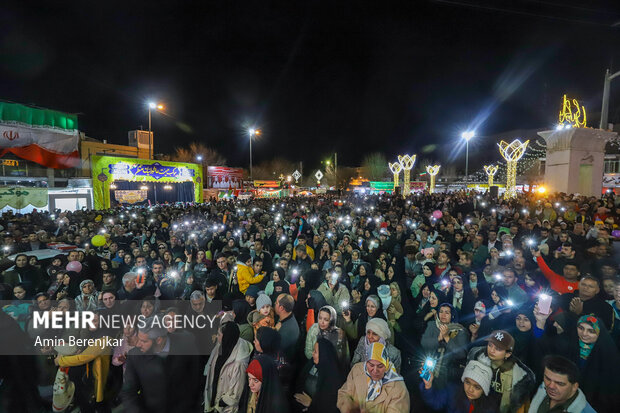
{"x": 161, "y": 247}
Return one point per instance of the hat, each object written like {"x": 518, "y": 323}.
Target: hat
{"x": 262, "y": 300}
{"x": 384, "y": 291}
{"x": 479, "y": 373}
{"x": 502, "y": 340}
{"x": 252, "y": 291}
{"x": 379, "y": 326}
{"x": 480, "y": 306}
{"x": 255, "y": 369}
{"x": 244, "y": 257}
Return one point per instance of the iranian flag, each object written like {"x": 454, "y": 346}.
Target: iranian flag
{"x": 47, "y": 137}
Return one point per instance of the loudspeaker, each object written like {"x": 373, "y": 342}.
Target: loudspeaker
{"x": 494, "y": 191}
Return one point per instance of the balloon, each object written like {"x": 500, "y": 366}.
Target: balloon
{"x": 437, "y": 214}
{"x": 75, "y": 266}
{"x": 98, "y": 241}
{"x": 615, "y": 233}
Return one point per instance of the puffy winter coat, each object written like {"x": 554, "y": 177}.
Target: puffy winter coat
{"x": 245, "y": 277}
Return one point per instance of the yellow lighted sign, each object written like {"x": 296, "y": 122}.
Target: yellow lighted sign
{"x": 572, "y": 114}
{"x": 10, "y": 162}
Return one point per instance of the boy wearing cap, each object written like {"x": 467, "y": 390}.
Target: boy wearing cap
{"x": 512, "y": 380}
{"x": 470, "y": 397}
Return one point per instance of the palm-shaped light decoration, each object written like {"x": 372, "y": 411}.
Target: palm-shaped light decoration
{"x": 512, "y": 152}
{"x": 406, "y": 162}
{"x": 395, "y": 168}
{"x": 490, "y": 170}
{"x": 432, "y": 171}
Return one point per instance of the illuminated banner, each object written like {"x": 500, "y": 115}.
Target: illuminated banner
{"x": 130, "y": 196}
{"x": 417, "y": 185}
{"x": 106, "y": 169}
{"x": 382, "y": 186}
{"x": 267, "y": 184}
{"x": 222, "y": 177}
{"x": 122, "y": 170}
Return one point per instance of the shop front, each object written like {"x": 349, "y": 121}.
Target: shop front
{"x": 127, "y": 181}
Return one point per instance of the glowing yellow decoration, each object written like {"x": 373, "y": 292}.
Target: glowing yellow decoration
{"x": 490, "y": 170}
{"x": 432, "y": 171}
{"x": 406, "y": 162}
{"x": 572, "y": 115}
{"x": 395, "y": 168}
{"x": 512, "y": 152}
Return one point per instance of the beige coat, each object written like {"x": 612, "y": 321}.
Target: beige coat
{"x": 394, "y": 397}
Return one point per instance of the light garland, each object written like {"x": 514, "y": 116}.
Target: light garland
{"x": 490, "y": 170}
{"x": 406, "y": 162}
{"x": 512, "y": 152}
{"x": 572, "y": 117}
{"x": 395, "y": 168}
{"x": 432, "y": 171}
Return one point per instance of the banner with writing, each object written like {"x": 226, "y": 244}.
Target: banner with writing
{"x": 20, "y": 197}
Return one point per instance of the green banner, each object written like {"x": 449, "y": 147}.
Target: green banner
{"x": 106, "y": 169}
{"x": 16, "y": 113}
{"x": 21, "y": 196}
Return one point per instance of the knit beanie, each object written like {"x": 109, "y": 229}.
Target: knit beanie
{"x": 255, "y": 369}
{"x": 479, "y": 373}
{"x": 379, "y": 326}
{"x": 262, "y": 300}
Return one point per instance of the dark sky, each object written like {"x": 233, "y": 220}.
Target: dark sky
{"x": 317, "y": 77}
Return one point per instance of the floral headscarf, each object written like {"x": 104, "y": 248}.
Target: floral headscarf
{"x": 584, "y": 348}
{"x": 378, "y": 352}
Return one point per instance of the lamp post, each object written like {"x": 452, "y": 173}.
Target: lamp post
{"x": 252, "y": 132}
{"x": 467, "y": 136}
{"x": 158, "y": 106}
{"x": 605, "y": 108}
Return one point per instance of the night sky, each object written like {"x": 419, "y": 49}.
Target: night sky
{"x": 317, "y": 77}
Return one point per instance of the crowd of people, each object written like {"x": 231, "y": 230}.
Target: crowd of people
{"x": 453, "y": 302}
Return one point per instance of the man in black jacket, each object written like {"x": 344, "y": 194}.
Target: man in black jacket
{"x": 586, "y": 300}
{"x": 162, "y": 373}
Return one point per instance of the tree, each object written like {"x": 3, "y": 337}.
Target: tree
{"x": 375, "y": 166}
{"x": 210, "y": 157}
{"x": 272, "y": 169}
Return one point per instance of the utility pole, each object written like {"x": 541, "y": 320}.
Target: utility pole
{"x": 336, "y": 168}
{"x": 605, "y": 107}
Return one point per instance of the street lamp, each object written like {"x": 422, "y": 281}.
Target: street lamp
{"x": 252, "y": 132}
{"x": 468, "y": 135}
{"x": 199, "y": 158}
{"x": 605, "y": 109}
{"x": 157, "y": 106}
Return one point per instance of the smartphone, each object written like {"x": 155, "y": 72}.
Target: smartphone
{"x": 544, "y": 303}
{"x": 428, "y": 368}
{"x": 140, "y": 279}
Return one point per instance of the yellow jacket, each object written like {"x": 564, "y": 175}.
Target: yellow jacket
{"x": 309, "y": 251}
{"x": 245, "y": 277}
{"x": 100, "y": 356}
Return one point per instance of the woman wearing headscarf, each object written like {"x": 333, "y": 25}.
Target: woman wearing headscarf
{"x": 24, "y": 273}
{"x": 318, "y": 383}
{"x": 374, "y": 385}
{"x": 355, "y": 330}
{"x": 263, "y": 394}
{"x": 592, "y": 349}
{"x": 377, "y": 330}
{"x": 325, "y": 327}
{"x": 225, "y": 370}
{"x": 363, "y": 270}
{"x": 429, "y": 310}
{"x": 242, "y": 308}
{"x": 335, "y": 293}
{"x": 447, "y": 341}
{"x": 462, "y": 299}
{"x": 267, "y": 343}
{"x": 88, "y": 298}
{"x": 370, "y": 285}
{"x": 427, "y": 276}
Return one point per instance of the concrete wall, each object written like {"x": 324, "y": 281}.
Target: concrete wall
{"x": 575, "y": 160}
